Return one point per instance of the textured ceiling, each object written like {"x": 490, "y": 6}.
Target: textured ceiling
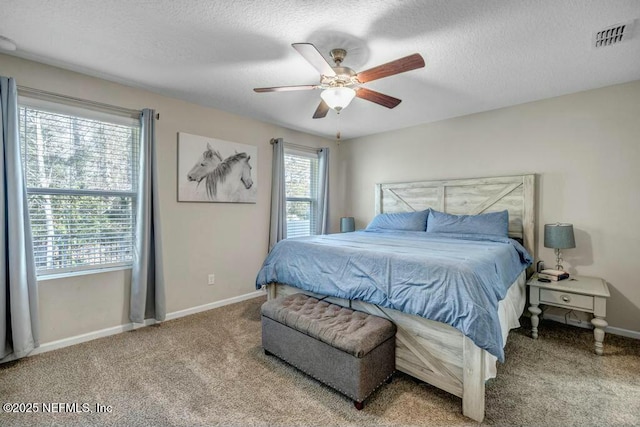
{"x": 480, "y": 54}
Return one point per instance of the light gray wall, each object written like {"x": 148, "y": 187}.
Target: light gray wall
{"x": 585, "y": 148}
{"x": 227, "y": 239}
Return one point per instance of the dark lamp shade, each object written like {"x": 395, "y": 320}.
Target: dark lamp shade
{"x": 347, "y": 224}
{"x": 559, "y": 236}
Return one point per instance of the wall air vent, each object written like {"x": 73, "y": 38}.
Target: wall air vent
{"x": 612, "y": 35}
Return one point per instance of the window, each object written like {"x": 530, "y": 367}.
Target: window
{"x": 81, "y": 172}
{"x": 301, "y": 186}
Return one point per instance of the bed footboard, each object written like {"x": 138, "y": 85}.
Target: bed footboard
{"x": 431, "y": 351}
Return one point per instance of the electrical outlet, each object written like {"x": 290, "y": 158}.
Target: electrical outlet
{"x": 212, "y": 279}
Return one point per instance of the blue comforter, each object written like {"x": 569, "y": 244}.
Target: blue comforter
{"x": 456, "y": 279}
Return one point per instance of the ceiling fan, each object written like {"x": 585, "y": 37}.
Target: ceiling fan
{"x": 341, "y": 84}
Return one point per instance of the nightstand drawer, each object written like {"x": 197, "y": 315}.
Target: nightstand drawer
{"x": 566, "y": 299}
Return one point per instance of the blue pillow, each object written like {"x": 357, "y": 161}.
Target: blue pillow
{"x": 405, "y": 221}
{"x": 488, "y": 223}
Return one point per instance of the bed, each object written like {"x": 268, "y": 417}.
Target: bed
{"x": 433, "y": 351}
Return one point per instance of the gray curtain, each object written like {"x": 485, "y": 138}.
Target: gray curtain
{"x": 147, "y": 278}
{"x": 19, "y": 325}
{"x": 278, "y": 226}
{"x": 323, "y": 192}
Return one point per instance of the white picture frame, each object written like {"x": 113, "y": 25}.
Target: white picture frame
{"x": 214, "y": 170}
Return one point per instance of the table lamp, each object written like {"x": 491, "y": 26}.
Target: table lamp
{"x": 347, "y": 224}
{"x": 559, "y": 236}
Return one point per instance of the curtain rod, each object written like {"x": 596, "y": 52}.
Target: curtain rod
{"x": 298, "y": 146}
{"x": 43, "y": 94}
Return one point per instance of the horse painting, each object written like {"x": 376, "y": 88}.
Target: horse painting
{"x": 229, "y": 177}
{"x": 213, "y": 170}
{"x": 209, "y": 160}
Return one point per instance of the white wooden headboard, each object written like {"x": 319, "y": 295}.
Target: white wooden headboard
{"x": 468, "y": 197}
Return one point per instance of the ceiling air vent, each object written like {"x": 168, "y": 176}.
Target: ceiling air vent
{"x": 612, "y": 35}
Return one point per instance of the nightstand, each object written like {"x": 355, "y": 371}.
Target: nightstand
{"x": 582, "y": 293}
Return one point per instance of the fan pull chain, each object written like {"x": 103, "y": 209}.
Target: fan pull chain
{"x": 338, "y": 126}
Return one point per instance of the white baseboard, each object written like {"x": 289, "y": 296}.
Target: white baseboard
{"x": 587, "y": 325}
{"x": 66, "y": 342}
{"x": 623, "y": 332}
{"x": 212, "y": 305}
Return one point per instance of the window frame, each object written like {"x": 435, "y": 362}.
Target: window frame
{"x": 86, "y": 112}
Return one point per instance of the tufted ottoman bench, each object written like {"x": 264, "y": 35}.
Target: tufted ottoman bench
{"x": 350, "y": 351}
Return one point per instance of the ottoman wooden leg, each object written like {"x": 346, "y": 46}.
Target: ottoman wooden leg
{"x": 358, "y": 405}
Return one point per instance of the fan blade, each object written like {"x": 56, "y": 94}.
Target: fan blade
{"x": 315, "y": 58}
{"x": 285, "y": 88}
{"x": 398, "y": 66}
{"x": 377, "y": 97}
{"x": 321, "y": 111}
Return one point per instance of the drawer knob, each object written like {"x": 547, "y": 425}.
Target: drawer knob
{"x": 566, "y": 298}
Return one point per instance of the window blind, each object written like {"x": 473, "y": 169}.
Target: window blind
{"x": 301, "y": 187}
{"x": 81, "y": 175}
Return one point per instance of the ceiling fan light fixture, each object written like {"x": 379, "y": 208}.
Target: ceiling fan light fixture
{"x": 338, "y": 83}
{"x": 338, "y": 98}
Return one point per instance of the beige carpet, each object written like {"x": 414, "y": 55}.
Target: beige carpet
{"x": 209, "y": 369}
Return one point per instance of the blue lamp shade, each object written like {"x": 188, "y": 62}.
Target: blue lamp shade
{"x": 347, "y": 224}
{"x": 559, "y": 236}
